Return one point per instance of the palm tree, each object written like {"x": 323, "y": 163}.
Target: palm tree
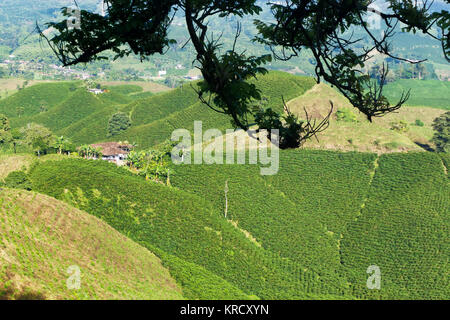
{"x": 60, "y": 143}
{"x": 134, "y": 159}
{"x": 90, "y": 151}
{"x": 83, "y": 151}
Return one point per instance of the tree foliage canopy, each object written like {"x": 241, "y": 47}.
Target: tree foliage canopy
{"x": 442, "y": 135}
{"x": 5, "y": 129}
{"x": 117, "y": 123}
{"x": 321, "y": 26}
{"x": 38, "y": 137}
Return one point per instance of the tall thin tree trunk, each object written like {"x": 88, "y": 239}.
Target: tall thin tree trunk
{"x": 226, "y": 199}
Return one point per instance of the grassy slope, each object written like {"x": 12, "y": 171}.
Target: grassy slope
{"x": 42, "y": 237}
{"x": 9, "y": 163}
{"x": 75, "y": 108}
{"x": 310, "y": 212}
{"x": 404, "y": 228}
{"x": 32, "y": 98}
{"x": 431, "y": 93}
{"x": 19, "y": 161}
{"x": 364, "y": 136}
{"x": 274, "y": 86}
{"x": 181, "y": 225}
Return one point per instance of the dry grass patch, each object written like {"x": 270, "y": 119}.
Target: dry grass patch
{"x": 42, "y": 237}
{"x": 10, "y": 163}
{"x": 362, "y": 135}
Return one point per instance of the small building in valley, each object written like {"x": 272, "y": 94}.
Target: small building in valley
{"x": 114, "y": 151}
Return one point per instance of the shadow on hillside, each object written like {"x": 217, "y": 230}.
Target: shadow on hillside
{"x": 425, "y": 146}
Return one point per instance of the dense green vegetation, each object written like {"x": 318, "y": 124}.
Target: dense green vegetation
{"x": 309, "y": 232}
{"x": 404, "y": 228}
{"x": 185, "y": 109}
{"x": 179, "y": 224}
{"x": 76, "y": 107}
{"x": 326, "y": 192}
{"x": 34, "y": 98}
{"x": 432, "y": 93}
{"x": 301, "y": 212}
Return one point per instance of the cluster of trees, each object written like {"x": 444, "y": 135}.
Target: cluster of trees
{"x": 441, "y": 137}
{"x": 36, "y": 137}
{"x": 88, "y": 152}
{"x": 419, "y": 71}
{"x": 152, "y": 164}
{"x": 117, "y": 123}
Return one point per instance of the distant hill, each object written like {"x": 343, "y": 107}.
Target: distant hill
{"x": 361, "y": 135}
{"x": 43, "y": 237}
{"x": 69, "y": 110}
{"x": 32, "y": 99}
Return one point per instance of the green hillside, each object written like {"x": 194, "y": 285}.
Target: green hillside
{"x": 404, "y": 228}
{"x": 300, "y": 212}
{"x": 31, "y": 99}
{"x": 304, "y": 233}
{"x": 93, "y": 128}
{"x": 323, "y": 210}
{"x": 78, "y": 113}
{"x": 432, "y": 93}
{"x": 40, "y": 238}
{"x": 182, "y": 225}
{"x": 185, "y": 108}
{"x": 79, "y": 105}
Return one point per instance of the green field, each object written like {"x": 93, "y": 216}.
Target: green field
{"x": 430, "y": 93}
{"x": 323, "y": 211}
